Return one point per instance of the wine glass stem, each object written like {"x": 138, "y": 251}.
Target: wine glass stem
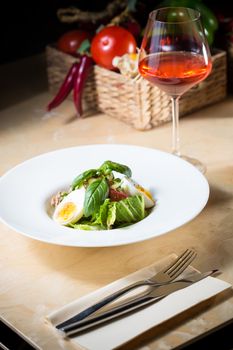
{"x": 175, "y": 126}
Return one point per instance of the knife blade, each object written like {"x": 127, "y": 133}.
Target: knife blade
{"x": 153, "y": 295}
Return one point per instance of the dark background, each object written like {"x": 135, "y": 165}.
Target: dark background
{"x": 27, "y": 27}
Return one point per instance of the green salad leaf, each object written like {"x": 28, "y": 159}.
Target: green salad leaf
{"x": 86, "y": 175}
{"x": 88, "y": 226}
{"x": 103, "y": 207}
{"x": 115, "y": 214}
{"x": 105, "y": 169}
{"x": 108, "y": 166}
{"x": 95, "y": 195}
{"x": 106, "y": 215}
{"x": 131, "y": 209}
{"x": 102, "y": 215}
{"x": 111, "y": 218}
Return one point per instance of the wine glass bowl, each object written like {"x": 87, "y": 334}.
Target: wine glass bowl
{"x": 174, "y": 56}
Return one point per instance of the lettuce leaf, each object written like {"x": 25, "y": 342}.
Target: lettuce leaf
{"x": 131, "y": 209}
{"x": 87, "y": 227}
{"x": 111, "y": 218}
{"x": 115, "y": 214}
{"x": 106, "y": 215}
{"x": 102, "y": 215}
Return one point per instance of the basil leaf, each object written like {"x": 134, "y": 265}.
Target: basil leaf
{"x": 86, "y": 175}
{"x": 95, "y": 195}
{"x": 109, "y": 166}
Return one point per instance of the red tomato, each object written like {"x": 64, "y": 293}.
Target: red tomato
{"x": 110, "y": 42}
{"x": 116, "y": 196}
{"x": 71, "y": 41}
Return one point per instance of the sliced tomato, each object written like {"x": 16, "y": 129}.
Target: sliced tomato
{"x": 116, "y": 196}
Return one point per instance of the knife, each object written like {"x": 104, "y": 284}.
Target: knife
{"x": 153, "y": 295}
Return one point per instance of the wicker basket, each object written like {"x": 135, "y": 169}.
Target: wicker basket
{"x": 137, "y": 103}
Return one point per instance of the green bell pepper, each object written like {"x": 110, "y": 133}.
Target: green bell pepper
{"x": 209, "y": 21}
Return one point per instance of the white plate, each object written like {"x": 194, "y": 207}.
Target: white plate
{"x": 180, "y": 190}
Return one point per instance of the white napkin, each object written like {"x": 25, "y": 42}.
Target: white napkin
{"x": 115, "y": 333}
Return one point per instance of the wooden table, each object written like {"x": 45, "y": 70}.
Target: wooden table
{"x": 37, "y": 278}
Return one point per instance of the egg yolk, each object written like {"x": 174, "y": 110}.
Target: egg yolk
{"x": 67, "y": 211}
{"x": 147, "y": 193}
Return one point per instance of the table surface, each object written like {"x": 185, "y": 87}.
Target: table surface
{"x": 37, "y": 278}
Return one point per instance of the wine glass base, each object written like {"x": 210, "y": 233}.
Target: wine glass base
{"x": 199, "y": 165}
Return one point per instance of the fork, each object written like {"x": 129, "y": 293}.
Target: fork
{"x": 167, "y": 275}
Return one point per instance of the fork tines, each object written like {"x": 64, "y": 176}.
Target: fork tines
{"x": 181, "y": 262}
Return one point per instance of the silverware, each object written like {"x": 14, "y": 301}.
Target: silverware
{"x": 166, "y": 275}
{"x": 153, "y": 295}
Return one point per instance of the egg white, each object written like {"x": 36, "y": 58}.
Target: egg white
{"x": 132, "y": 189}
{"x": 71, "y": 209}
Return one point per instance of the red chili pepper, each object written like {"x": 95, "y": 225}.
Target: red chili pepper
{"x": 80, "y": 78}
{"x": 65, "y": 88}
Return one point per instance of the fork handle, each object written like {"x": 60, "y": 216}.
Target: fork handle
{"x": 95, "y": 307}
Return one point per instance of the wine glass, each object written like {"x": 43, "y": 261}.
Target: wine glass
{"x": 175, "y": 56}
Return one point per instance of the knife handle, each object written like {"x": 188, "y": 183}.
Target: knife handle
{"x": 117, "y": 311}
{"x": 93, "y": 308}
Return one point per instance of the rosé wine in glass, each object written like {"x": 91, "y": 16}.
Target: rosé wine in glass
{"x": 175, "y": 56}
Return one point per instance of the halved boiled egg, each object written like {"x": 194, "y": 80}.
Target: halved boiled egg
{"x": 132, "y": 188}
{"x": 70, "y": 210}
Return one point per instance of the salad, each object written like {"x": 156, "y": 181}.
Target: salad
{"x": 99, "y": 200}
